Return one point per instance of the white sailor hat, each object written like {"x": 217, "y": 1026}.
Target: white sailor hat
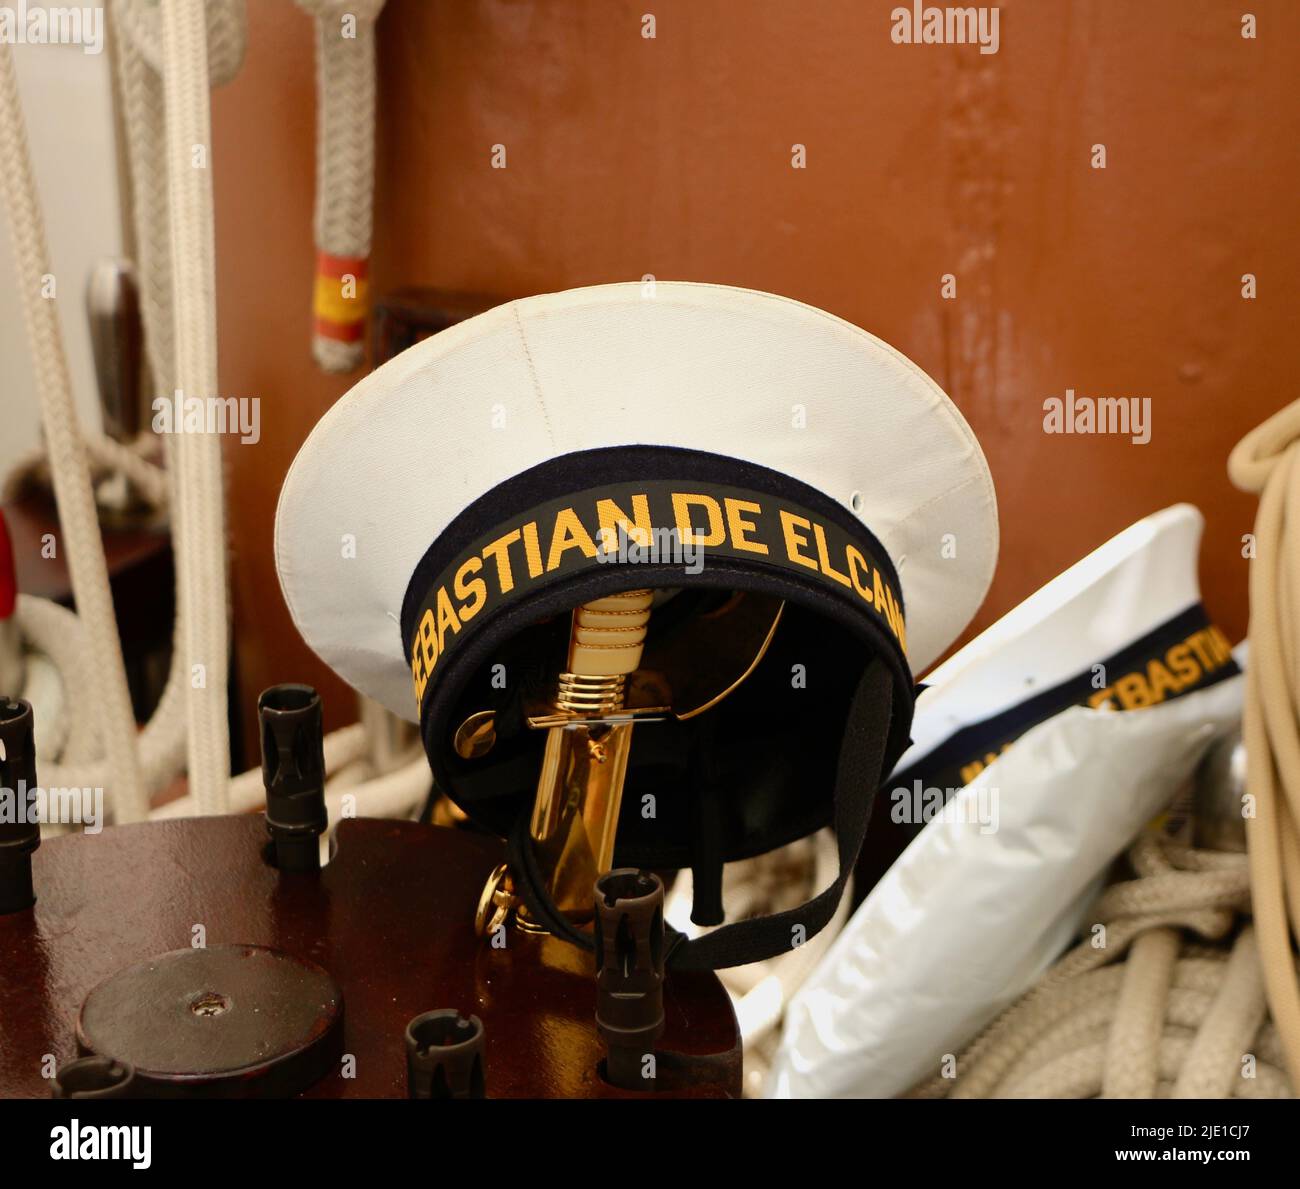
{"x": 446, "y": 515}
{"x": 1123, "y": 628}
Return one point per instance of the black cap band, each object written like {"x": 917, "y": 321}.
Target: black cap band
{"x": 533, "y": 548}
{"x": 1184, "y": 654}
{"x": 699, "y": 510}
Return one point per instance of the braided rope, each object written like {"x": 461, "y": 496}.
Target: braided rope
{"x": 78, "y": 517}
{"x": 345, "y": 172}
{"x": 105, "y": 456}
{"x": 61, "y": 636}
{"x": 73, "y": 754}
{"x": 139, "y": 25}
{"x": 1179, "y": 1019}
{"x": 85, "y": 759}
{"x": 138, "y": 29}
{"x": 1267, "y": 460}
{"x": 199, "y": 502}
{"x": 1147, "y": 1013}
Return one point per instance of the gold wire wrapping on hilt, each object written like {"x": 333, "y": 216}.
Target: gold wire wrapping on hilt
{"x": 584, "y": 763}
{"x": 580, "y": 789}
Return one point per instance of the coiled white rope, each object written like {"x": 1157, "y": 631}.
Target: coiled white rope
{"x": 62, "y": 636}
{"x": 1201, "y": 1020}
{"x": 101, "y": 663}
{"x": 200, "y": 545}
{"x": 139, "y": 57}
{"x": 173, "y": 224}
{"x": 1134, "y": 1010}
{"x": 58, "y": 636}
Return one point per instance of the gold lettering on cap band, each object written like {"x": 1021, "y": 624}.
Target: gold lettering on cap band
{"x": 1183, "y": 654}
{"x": 609, "y": 525}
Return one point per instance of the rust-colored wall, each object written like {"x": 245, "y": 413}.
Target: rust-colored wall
{"x": 672, "y": 157}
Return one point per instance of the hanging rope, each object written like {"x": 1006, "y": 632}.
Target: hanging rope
{"x": 137, "y": 26}
{"x": 345, "y": 176}
{"x": 1267, "y": 461}
{"x": 167, "y": 56}
{"x": 97, "y": 728}
{"x": 199, "y": 505}
{"x": 79, "y": 522}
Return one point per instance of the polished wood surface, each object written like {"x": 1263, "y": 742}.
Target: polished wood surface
{"x": 390, "y": 919}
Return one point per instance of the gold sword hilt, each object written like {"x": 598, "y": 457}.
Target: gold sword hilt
{"x": 601, "y": 694}
{"x": 584, "y": 763}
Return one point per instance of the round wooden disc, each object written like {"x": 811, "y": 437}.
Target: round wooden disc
{"x": 227, "y": 1021}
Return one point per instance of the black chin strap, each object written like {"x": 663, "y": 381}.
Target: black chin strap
{"x": 856, "y": 779}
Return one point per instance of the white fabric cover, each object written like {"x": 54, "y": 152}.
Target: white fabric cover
{"x": 705, "y": 367}
{"x": 965, "y": 921}
{"x": 1123, "y": 590}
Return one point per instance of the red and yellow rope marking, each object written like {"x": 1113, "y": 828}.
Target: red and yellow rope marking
{"x": 341, "y": 297}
